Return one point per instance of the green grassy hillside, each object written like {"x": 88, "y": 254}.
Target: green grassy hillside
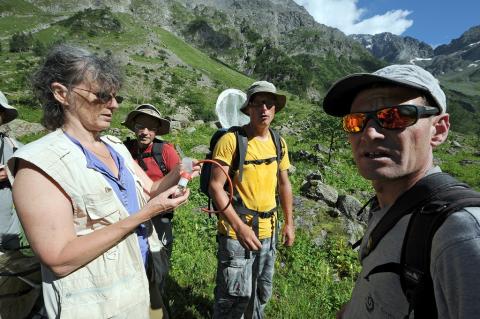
{"x": 160, "y": 68}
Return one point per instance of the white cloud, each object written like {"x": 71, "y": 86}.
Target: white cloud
{"x": 346, "y": 16}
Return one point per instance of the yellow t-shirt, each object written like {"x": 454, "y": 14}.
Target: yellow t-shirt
{"x": 257, "y": 189}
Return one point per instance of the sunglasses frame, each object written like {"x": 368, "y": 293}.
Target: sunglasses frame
{"x": 268, "y": 104}
{"x": 139, "y": 127}
{"x": 421, "y": 111}
{"x": 103, "y": 97}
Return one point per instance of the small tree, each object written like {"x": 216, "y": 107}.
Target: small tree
{"x": 39, "y": 49}
{"x": 21, "y": 42}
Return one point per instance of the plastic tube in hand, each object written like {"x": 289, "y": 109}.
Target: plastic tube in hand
{"x": 185, "y": 176}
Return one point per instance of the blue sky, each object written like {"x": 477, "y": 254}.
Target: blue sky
{"x": 432, "y": 21}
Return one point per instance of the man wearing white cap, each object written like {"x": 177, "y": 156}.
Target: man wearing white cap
{"x": 9, "y": 224}
{"x": 246, "y": 229}
{"x": 420, "y": 254}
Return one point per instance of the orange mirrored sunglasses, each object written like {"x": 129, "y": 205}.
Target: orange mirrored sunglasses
{"x": 393, "y": 117}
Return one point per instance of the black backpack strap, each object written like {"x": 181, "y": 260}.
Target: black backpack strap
{"x": 156, "y": 153}
{"x": 445, "y": 197}
{"x": 241, "y": 152}
{"x": 157, "y": 149}
{"x": 416, "y": 251}
{"x": 278, "y": 145}
{"x": 2, "y": 146}
{"x": 421, "y": 193}
{"x": 372, "y": 202}
{"x": 131, "y": 145}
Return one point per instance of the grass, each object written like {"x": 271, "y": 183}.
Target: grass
{"x": 306, "y": 282}
{"x": 18, "y": 7}
{"x": 11, "y": 24}
{"x": 461, "y": 161}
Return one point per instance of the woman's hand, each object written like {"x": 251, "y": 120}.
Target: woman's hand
{"x": 164, "y": 202}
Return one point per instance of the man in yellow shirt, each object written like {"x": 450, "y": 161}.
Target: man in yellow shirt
{"x": 246, "y": 229}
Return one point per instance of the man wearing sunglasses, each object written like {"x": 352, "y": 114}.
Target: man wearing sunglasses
{"x": 247, "y": 228}
{"x": 156, "y": 157}
{"x": 394, "y": 118}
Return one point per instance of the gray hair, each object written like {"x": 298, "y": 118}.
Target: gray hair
{"x": 70, "y": 66}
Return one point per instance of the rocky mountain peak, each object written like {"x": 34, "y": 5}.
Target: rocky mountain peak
{"x": 393, "y": 48}
{"x": 466, "y": 42}
{"x": 271, "y": 17}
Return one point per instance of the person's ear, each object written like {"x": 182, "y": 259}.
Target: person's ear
{"x": 60, "y": 93}
{"x": 440, "y": 128}
{"x": 247, "y": 109}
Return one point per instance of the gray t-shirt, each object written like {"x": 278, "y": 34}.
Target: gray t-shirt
{"x": 455, "y": 263}
{"x": 9, "y": 224}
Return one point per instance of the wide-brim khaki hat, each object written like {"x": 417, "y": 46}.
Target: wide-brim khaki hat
{"x": 10, "y": 113}
{"x": 147, "y": 109}
{"x": 264, "y": 87}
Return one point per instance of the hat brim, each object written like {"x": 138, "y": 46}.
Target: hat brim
{"x": 281, "y": 101}
{"x": 10, "y": 113}
{"x": 339, "y": 98}
{"x": 163, "y": 124}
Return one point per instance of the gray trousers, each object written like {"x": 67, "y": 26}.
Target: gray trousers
{"x": 9, "y": 223}
{"x": 244, "y": 280}
{"x": 159, "y": 265}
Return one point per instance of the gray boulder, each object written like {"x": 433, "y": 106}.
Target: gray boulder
{"x": 201, "y": 149}
{"x": 317, "y": 190}
{"x": 17, "y": 128}
{"x": 349, "y": 206}
{"x": 354, "y": 230}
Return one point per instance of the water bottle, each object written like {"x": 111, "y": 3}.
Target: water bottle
{"x": 185, "y": 176}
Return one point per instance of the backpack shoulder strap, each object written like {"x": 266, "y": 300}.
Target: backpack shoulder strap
{"x": 445, "y": 197}
{"x": 415, "y": 277}
{"x": 421, "y": 193}
{"x": 13, "y": 143}
{"x": 241, "y": 150}
{"x": 278, "y": 145}
{"x": 157, "y": 149}
{"x": 129, "y": 142}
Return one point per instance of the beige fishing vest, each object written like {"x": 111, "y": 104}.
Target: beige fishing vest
{"x": 114, "y": 285}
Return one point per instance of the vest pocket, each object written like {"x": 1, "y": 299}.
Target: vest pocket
{"x": 102, "y": 296}
{"x": 102, "y": 206}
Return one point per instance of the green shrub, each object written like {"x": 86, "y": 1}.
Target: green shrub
{"x": 93, "y": 22}
{"x": 198, "y": 103}
{"x": 39, "y": 49}
{"x": 21, "y": 42}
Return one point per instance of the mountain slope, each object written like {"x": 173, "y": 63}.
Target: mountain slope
{"x": 272, "y": 39}
{"x": 275, "y": 40}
